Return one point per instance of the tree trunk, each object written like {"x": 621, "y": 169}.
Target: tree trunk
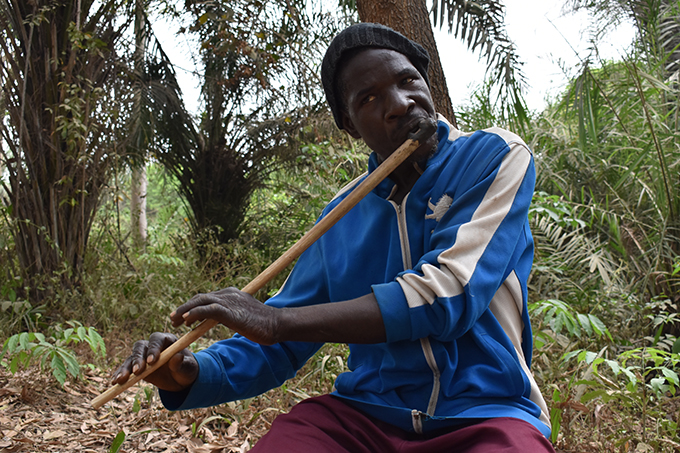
{"x": 138, "y": 185}
{"x": 138, "y": 181}
{"x": 411, "y": 19}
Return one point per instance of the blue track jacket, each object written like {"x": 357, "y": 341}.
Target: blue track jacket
{"x": 449, "y": 268}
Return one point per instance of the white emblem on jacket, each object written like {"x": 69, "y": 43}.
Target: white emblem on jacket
{"x": 440, "y": 208}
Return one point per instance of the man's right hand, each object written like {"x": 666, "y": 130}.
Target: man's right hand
{"x": 176, "y": 374}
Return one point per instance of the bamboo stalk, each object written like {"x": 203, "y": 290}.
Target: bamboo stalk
{"x": 425, "y": 129}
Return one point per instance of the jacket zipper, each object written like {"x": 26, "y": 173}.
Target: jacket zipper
{"x": 424, "y": 342}
{"x": 403, "y": 233}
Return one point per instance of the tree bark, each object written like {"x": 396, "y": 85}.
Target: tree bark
{"x": 138, "y": 205}
{"x": 138, "y": 181}
{"x": 411, "y": 19}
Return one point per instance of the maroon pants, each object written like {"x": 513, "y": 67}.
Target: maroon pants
{"x": 327, "y": 425}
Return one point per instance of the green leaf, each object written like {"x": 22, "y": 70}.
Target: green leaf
{"x": 95, "y": 341}
{"x": 58, "y": 369}
{"x": 555, "y": 423}
{"x": 557, "y": 396}
{"x": 148, "y": 393}
{"x": 11, "y": 344}
{"x": 587, "y": 356}
{"x": 594, "y": 394}
{"x": 24, "y": 339}
{"x": 585, "y": 323}
{"x": 658, "y": 384}
{"x": 208, "y": 420}
{"x": 68, "y": 336}
{"x": 671, "y": 375}
{"x": 41, "y": 351}
{"x": 598, "y": 325}
{"x": 71, "y": 362}
{"x": 136, "y": 406}
{"x": 558, "y": 322}
{"x": 676, "y": 347}
{"x": 117, "y": 442}
{"x": 570, "y": 355}
{"x": 614, "y": 365}
{"x": 14, "y": 364}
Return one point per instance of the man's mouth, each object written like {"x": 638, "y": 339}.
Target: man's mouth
{"x": 409, "y": 125}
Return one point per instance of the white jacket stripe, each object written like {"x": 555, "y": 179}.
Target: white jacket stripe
{"x": 458, "y": 263}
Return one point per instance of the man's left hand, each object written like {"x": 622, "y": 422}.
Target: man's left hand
{"x": 235, "y": 309}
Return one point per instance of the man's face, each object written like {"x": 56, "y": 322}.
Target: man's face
{"x": 385, "y": 96}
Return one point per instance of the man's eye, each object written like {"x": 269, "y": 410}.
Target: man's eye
{"x": 408, "y": 80}
{"x": 367, "y": 99}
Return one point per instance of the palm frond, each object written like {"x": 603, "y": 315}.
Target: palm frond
{"x": 481, "y": 25}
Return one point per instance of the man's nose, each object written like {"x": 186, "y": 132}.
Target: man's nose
{"x": 398, "y": 104}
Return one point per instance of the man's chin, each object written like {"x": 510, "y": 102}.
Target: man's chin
{"x": 422, "y": 154}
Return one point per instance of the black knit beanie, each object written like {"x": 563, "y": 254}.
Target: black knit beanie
{"x": 366, "y": 35}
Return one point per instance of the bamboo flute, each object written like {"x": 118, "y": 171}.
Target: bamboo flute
{"x": 425, "y": 128}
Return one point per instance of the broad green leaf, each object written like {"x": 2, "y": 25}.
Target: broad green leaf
{"x": 117, "y": 442}
{"x": 58, "y": 369}
{"x": 589, "y": 357}
{"x": 615, "y": 367}
{"x": 71, "y": 362}
{"x": 599, "y": 326}
{"x": 658, "y": 384}
{"x": 68, "y": 335}
{"x": 24, "y": 339}
{"x": 570, "y": 355}
{"x": 14, "y": 363}
{"x": 11, "y": 344}
{"x": 558, "y": 323}
{"x": 555, "y": 423}
{"x": 671, "y": 375}
{"x": 676, "y": 346}
{"x": 136, "y": 407}
{"x": 585, "y": 323}
{"x": 599, "y": 393}
{"x": 96, "y": 342}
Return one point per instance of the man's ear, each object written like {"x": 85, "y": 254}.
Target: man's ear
{"x": 348, "y": 125}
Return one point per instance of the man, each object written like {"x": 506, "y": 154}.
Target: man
{"x": 425, "y": 279}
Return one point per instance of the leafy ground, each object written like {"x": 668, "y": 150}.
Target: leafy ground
{"x": 38, "y": 415}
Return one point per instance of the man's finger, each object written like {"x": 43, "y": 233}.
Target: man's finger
{"x": 158, "y": 342}
{"x": 122, "y": 373}
{"x": 196, "y": 301}
{"x": 213, "y": 311}
{"x": 138, "y": 356}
